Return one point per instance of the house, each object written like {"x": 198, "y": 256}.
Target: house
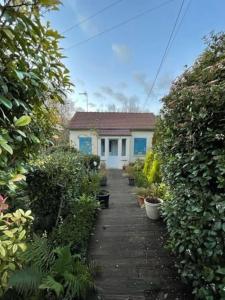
{"x": 118, "y": 138}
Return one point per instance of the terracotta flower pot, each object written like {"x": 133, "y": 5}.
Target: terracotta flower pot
{"x": 141, "y": 200}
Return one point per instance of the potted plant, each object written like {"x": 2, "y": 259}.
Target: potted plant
{"x": 153, "y": 202}
{"x": 130, "y": 173}
{"x": 141, "y": 193}
{"x": 103, "y": 198}
{"x": 103, "y": 175}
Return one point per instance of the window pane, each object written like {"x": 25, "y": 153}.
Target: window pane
{"x": 124, "y": 147}
{"x": 102, "y": 147}
{"x": 85, "y": 145}
{"x": 113, "y": 147}
{"x": 139, "y": 146}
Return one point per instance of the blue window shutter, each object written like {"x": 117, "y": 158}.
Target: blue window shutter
{"x": 139, "y": 146}
{"x": 85, "y": 145}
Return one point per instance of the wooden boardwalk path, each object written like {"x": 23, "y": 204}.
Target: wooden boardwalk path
{"x": 129, "y": 248}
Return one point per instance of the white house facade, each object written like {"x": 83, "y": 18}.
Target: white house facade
{"x": 118, "y": 138}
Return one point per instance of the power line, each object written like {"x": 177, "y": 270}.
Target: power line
{"x": 92, "y": 16}
{"x": 120, "y": 24}
{"x": 180, "y": 24}
{"x": 165, "y": 52}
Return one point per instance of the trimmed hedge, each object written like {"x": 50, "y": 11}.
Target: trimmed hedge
{"x": 55, "y": 183}
{"x": 192, "y": 147}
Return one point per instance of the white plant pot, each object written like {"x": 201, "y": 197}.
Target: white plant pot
{"x": 152, "y": 209}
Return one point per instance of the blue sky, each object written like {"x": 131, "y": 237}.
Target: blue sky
{"x": 118, "y": 67}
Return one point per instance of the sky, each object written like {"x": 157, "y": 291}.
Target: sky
{"x": 117, "y": 68}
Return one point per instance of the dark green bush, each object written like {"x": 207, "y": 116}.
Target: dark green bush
{"x": 192, "y": 147}
{"x": 75, "y": 229}
{"x": 91, "y": 161}
{"x": 53, "y": 185}
{"x": 64, "y": 148}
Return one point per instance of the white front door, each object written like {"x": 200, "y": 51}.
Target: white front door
{"x": 113, "y": 158}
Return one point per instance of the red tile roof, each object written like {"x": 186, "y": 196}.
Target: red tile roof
{"x": 114, "y": 132}
{"x": 112, "y": 120}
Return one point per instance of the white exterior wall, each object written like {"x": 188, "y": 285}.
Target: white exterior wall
{"x": 74, "y": 139}
{"x": 96, "y": 144}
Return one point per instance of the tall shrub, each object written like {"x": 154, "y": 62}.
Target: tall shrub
{"x": 192, "y": 147}
{"x": 152, "y": 167}
{"x": 33, "y": 81}
{"x": 53, "y": 185}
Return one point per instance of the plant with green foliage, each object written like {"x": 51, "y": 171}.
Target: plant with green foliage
{"x": 53, "y": 185}
{"x": 64, "y": 276}
{"x": 152, "y": 167}
{"x": 13, "y": 234}
{"x": 33, "y": 81}
{"x": 91, "y": 161}
{"x": 192, "y": 148}
{"x": 76, "y": 228}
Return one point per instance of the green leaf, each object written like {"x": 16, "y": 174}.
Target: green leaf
{"x": 8, "y": 233}
{"x": 21, "y": 133}
{"x": 6, "y": 102}
{"x": 221, "y": 271}
{"x": 6, "y": 147}
{"x": 49, "y": 2}
{"x": 50, "y": 283}
{"x": 20, "y": 74}
{"x": 8, "y": 33}
{"x": 2, "y": 251}
{"x": 23, "y": 121}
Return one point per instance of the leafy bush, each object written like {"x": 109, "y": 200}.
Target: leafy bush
{"x": 91, "y": 161}
{"x": 65, "y": 276}
{"x": 75, "y": 229}
{"x": 90, "y": 183}
{"x": 53, "y": 185}
{"x": 33, "y": 81}
{"x": 192, "y": 148}
{"x": 13, "y": 234}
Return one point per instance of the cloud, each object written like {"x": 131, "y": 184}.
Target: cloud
{"x": 80, "y": 82}
{"x": 143, "y": 81}
{"x": 88, "y": 27}
{"x": 122, "y": 85}
{"x": 162, "y": 84}
{"x": 165, "y": 81}
{"x": 98, "y": 95}
{"x": 127, "y": 103}
{"x": 122, "y": 52}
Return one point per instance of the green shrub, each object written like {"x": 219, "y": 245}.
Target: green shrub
{"x": 192, "y": 147}
{"x": 63, "y": 148}
{"x": 90, "y": 183}
{"x": 91, "y": 161}
{"x": 140, "y": 179}
{"x": 76, "y": 228}
{"x": 53, "y": 185}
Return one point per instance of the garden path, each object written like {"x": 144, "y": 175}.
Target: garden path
{"x": 129, "y": 248}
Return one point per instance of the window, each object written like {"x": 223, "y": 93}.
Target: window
{"x": 113, "y": 147}
{"x": 85, "y": 145}
{"x": 124, "y": 142}
{"x": 139, "y": 146}
{"x": 102, "y": 147}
